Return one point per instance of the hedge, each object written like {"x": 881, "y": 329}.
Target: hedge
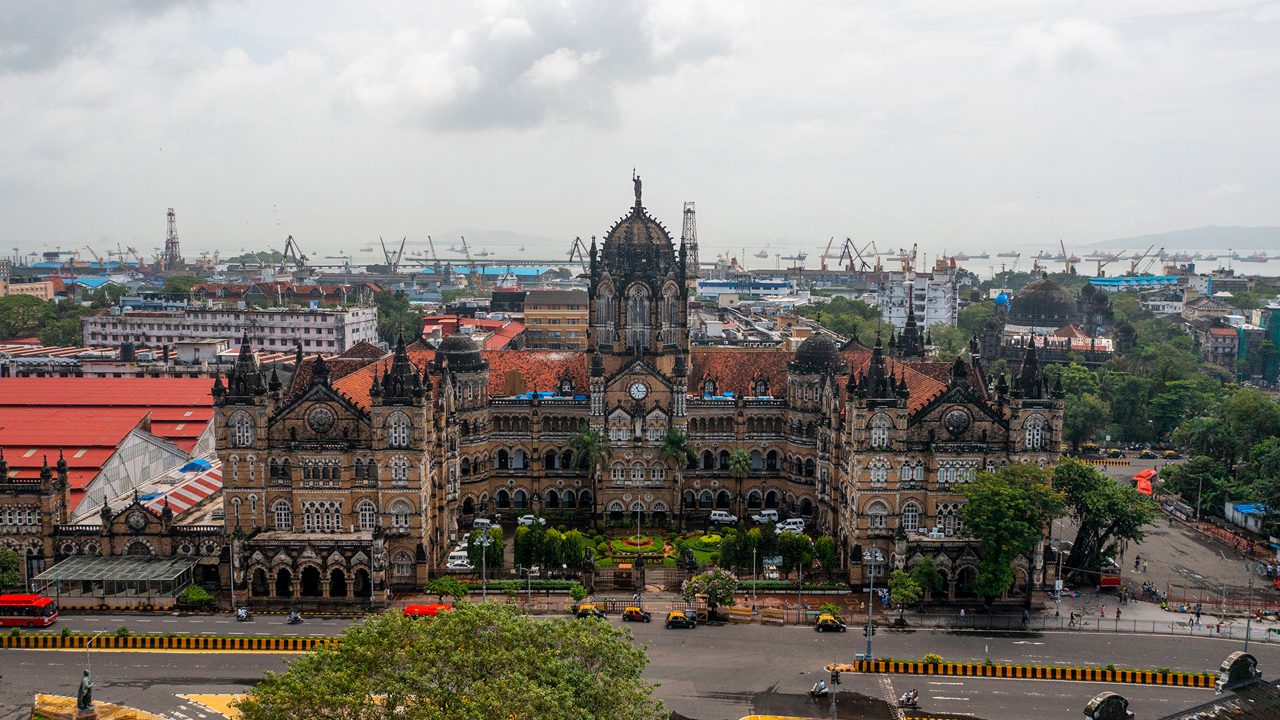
{"x": 504, "y": 585}
{"x": 788, "y": 586}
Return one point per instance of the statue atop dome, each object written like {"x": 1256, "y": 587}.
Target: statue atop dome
{"x": 635, "y": 180}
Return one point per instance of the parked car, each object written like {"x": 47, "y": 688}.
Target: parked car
{"x": 828, "y": 623}
{"x": 481, "y": 524}
{"x": 680, "y": 619}
{"x": 635, "y": 614}
{"x": 531, "y": 519}
{"x": 1171, "y": 455}
{"x": 1115, "y": 453}
{"x": 765, "y": 516}
{"x": 723, "y": 517}
{"x": 458, "y": 556}
{"x": 794, "y": 525}
{"x": 586, "y": 610}
{"x": 1148, "y": 455}
{"x": 460, "y": 565}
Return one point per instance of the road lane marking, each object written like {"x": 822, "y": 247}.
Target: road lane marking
{"x": 934, "y": 682}
{"x": 944, "y": 697}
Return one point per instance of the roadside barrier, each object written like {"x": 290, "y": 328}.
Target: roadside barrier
{"x": 1030, "y": 672}
{"x": 773, "y": 616}
{"x": 163, "y": 642}
{"x": 1106, "y": 462}
{"x": 740, "y": 615}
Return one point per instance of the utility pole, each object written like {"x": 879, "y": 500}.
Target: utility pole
{"x": 1248, "y": 622}
{"x": 871, "y": 594}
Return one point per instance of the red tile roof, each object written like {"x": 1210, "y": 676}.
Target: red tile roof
{"x": 926, "y": 379}
{"x": 86, "y": 438}
{"x": 734, "y": 368}
{"x": 512, "y": 372}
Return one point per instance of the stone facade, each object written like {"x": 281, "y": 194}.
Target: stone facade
{"x": 870, "y": 445}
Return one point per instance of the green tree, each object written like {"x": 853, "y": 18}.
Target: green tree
{"x": 107, "y": 295}
{"x": 590, "y": 451}
{"x": 717, "y": 584}
{"x": 796, "y": 550}
{"x": 10, "y": 569}
{"x": 446, "y": 586}
{"x": 65, "y": 332}
{"x": 974, "y": 316}
{"x": 1203, "y": 483}
{"x": 1208, "y": 436}
{"x": 492, "y": 554}
{"x": 179, "y": 284}
{"x": 397, "y": 317}
{"x": 846, "y": 317}
{"x": 949, "y": 342}
{"x": 1007, "y": 512}
{"x": 527, "y": 544}
{"x": 1106, "y": 514}
{"x": 578, "y": 592}
{"x": 1078, "y": 379}
{"x": 824, "y": 548}
{"x": 904, "y": 590}
{"x": 1127, "y": 395}
{"x": 395, "y": 668}
{"x": 677, "y": 454}
{"x": 1252, "y": 416}
{"x": 1082, "y": 417}
{"x": 24, "y": 315}
{"x": 926, "y": 574}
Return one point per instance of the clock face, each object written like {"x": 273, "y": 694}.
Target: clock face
{"x": 320, "y": 419}
{"x": 639, "y": 390}
{"x": 956, "y": 421}
{"x": 136, "y": 520}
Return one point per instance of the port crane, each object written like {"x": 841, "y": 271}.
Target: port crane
{"x": 1136, "y": 262}
{"x": 292, "y": 251}
{"x": 393, "y": 258}
{"x": 1066, "y": 257}
{"x": 1105, "y": 261}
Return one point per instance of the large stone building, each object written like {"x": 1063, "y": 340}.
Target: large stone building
{"x": 357, "y": 476}
{"x": 276, "y": 329}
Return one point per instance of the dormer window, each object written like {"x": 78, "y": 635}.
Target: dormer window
{"x": 709, "y": 386}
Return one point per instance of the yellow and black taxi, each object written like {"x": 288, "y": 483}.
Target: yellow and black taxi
{"x": 827, "y": 622}
{"x": 635, "y": 614}
{"x": 681, "y": 619}
{"x": 586, "y": 610}
{"x": 1171, "y": 455}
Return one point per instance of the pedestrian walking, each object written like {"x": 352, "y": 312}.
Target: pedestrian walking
{"x": 1117, "y": 613}
{"x": 1144, "y": 567}
{"x": 961, "y": 612}
{"x": 1103, "y": 611}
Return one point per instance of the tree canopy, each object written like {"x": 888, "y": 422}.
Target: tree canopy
{"x": 1106, "y": 513}
{"x": 717, "y": 584}
{"x": 480, "y": 661}
{"x": 10, "y": 569}
{"x": 1007, "y": 511}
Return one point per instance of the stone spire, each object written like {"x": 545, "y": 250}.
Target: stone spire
{"x": 245, "y": 379}
{"x": 1030, "y": 384}
{"x": 910, "y": 343}
{"x": 401, "y": 384}
{"x": 320, "y": 372}
{"x": 4, "y": 467}
{"x": 877, "y": 380}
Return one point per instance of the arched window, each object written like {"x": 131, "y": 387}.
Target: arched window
{"x": 618, "y": 473}
{"x": 1035, "y": 429}
{"x": 520, "y": 499}
{"x": 371, "y": 471}
{"x": 637, "y": 473}
{"x": 708, "y": 460}
{"x": 771, "y": 460}
{"x": 809, "y": 467}
{"x": 401, "y": 513}
{"x": 670, "y": 315}
{"x": 552, "y": 499}
{"x": 638, "y": 317}
{"x": 549, "y": 460}
{"x": 608, "y": 315}
{"x": 724, "y": 460}
{"x": 517, "y": 460}
{"x": 503, "y": 498}
{"x": 399, "y": 470}
{"x": 570, "y": 500}
{"x": 504, "y": 460}
{"x": 879, "y": 471}
{"x": 658, "y": 473}
{"x": 367, "y": 513}
{"x": 241, "y": 430}
{"x": 402, "y": 565}
{"x": 705, "y": 500}
{"x": 761, "y": 387}
{"x": 877, "y": 514}
{"x": 757, "y": 461}
{"x": 910, "y": 516}
{"x": 284, "y": 514}
{"x": 398, "y": 430}
{"x": 880, "y": 426}
{"x": 358, "y": 469}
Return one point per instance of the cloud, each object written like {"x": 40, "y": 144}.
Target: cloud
{"x": 527, "y": 63}
{"x": 1064, "y": 48}
{"x": 1224, "y": 191}
{"x": 35, "y": 36}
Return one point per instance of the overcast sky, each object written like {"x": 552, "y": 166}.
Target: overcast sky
{"x": 958, "y": 125}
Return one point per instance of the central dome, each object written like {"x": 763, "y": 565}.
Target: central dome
{"x": 638, "y": 245}
{"x": 1042, "y": 303}
{"x": 461, "y": 352}
{"x": 817, "y": 354}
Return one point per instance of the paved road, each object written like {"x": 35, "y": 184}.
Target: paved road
{"x": 715, "y": 672}
{"x": 224, "y": 624}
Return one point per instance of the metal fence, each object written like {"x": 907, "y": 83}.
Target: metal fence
{"x": 1175, "y": 625}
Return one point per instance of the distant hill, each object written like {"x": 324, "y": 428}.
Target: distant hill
{"x": 1210, "y": 237}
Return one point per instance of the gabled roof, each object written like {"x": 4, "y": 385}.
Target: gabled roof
{"x": 535, "y": 369}
{"x": 734, "y": 368}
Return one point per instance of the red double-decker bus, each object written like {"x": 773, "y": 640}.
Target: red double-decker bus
{"x": 27, "y": 611}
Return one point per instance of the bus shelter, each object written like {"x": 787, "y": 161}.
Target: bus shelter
{"x": 117, "y": 581}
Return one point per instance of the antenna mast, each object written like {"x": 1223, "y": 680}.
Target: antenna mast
{"x": 172, "y": 252}
{"x": 689, "y": 236}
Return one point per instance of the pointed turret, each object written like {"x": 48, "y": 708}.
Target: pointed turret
{"x": 219, "y": 390}
{"x": 319, "y": 371}
{"x": 274, "y": 385}
{"x": 959, "y": 374}
{"x": 4, "y": 467}
{"x": 401, "y": 384}
{"x": 245, "y": 380}
{"x": 910, "y": 344}
{"x": 1029, "y": 384}
{"x": 879, "y": 384}
{"x": 46, "y": 474}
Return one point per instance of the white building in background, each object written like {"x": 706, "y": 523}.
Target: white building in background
{"x": 329, "y": 330}
{"x": 935, "y": 297}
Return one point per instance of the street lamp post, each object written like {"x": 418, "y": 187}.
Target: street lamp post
{"x": 754, "y": 580}
{"x": 871, "y": 595}
{"x": 485, "y": 541}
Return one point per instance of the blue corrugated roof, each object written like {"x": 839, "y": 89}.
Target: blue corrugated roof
{"x": 1251, "y": 509}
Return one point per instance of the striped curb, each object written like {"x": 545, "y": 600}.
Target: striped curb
{"x": 160, "y": 642}
{"x": 1032, "y": 672}
{"x": 1105, "y": 462}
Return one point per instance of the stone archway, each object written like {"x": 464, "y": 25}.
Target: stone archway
{"x": 362, "y": 587}
{"x": 337, "y": 583}
{"x": 284, "y": 583}
{"x": 309, "y": 584}
{"x": 965, "y": 578}
{"x": 258, "y": 583}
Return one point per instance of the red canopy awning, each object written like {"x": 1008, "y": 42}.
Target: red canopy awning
{"x": 1147, "y": 474}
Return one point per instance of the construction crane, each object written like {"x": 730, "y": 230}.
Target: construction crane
{"x": 435, "y": 259}
{"x": 97, "y": 258}
{"x": 1105, "y": 261}
{"x": 1136, "y": 260}
{"x": 1066, "y": 257}
{"x": 471, "y": 264}
{"x": 292, "y": 251}
{"x": 827, "y": 251}
{"x": 393, "y": 258}
{"x": 578, "y": 251}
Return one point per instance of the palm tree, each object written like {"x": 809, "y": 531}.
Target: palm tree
{"x": 740, "y": 468}
{"x": 590, "y": 451}
{"x": 675, "y": 451}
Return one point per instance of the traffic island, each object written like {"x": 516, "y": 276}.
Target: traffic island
{"x": 196, "y": 643}
{"x": 59, "y": 707}
{"x": 1029, "y": 672}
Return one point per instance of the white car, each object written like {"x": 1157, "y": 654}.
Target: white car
{"x": 460, "y": 565}
{"x": 794, "y": 525}
{"x": 531, "y": 519}
{"x": 765, "y": 516}
{"x": 722, "y": 517}
{"x": 481, "y": 524}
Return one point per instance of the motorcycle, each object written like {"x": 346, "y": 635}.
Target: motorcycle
{"x": 819, "y": 690}
{"x": 908, "y": 700}
{"x": 294, "y": 619}
{"x": 243, "y": 614}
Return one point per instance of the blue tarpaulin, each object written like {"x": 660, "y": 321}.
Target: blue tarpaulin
{"x": 197, "y": 465}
